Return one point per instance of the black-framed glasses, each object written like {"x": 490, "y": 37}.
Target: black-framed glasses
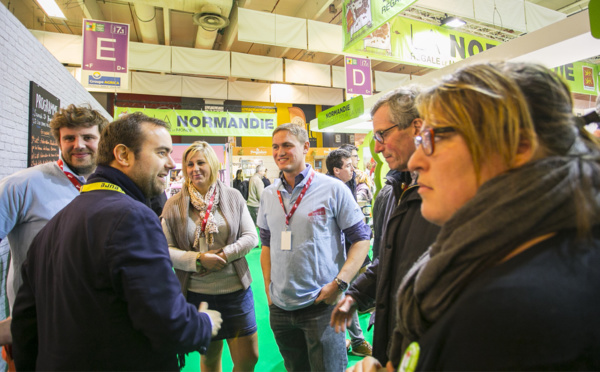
{"x": 380, "y": 134}
{"x": 427, "y": 138}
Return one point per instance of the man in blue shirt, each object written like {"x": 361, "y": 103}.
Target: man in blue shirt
{"x": 304, "y": 263}
{"x": 31, "y": 197}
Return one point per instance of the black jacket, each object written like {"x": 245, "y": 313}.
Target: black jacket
{"x": 99, "y": 291}
{"x": 406, "y": 236}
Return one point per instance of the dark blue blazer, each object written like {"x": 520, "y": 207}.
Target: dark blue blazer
{"x": 99, "y": 291}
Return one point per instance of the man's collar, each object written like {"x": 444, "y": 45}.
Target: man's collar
{"x": 298, "y": 178}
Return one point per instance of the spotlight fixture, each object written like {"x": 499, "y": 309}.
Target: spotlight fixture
{"x": 453, "y": 22}
{"x": 332, "y": 9}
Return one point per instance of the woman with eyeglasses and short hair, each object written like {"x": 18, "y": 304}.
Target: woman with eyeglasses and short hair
{"x": 513, "y": 280}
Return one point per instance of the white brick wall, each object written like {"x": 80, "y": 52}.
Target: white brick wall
{"x": 24, "y": 59}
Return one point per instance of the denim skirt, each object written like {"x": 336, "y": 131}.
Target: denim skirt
{"x": 236, "y": 308}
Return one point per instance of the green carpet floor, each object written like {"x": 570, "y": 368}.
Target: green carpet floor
{"x": 269, "y": 358}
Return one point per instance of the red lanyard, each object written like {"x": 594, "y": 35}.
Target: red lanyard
{"x": 210, "y": 205}
{"x": 298, "y": 200}
{"x": 71, "y": 177}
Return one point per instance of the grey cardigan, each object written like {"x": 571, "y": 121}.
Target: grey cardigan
{"x": 234, "y": 210}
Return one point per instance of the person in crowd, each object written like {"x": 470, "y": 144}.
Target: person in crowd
{"x": 305, "y": 268}
{"x": 353, "y": 150}
{"x": 210, "y": 231}
{"x": 255, "y": 190}
{"x": 31, "y": 197}
{"x": 511, "y": 282}
{"x": 99, "y": 292}
{"x": 240, "y": 185}
{"x": 406, "y": 234}
{"x": 265, "y": 179}
{"x": 364, "y": 186}
{"x": 339, "y": 165}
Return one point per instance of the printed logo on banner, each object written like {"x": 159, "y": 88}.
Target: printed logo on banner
{"x": 588, "y": 78}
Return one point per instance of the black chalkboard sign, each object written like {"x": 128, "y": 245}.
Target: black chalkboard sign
{"x": 42, "y": 107}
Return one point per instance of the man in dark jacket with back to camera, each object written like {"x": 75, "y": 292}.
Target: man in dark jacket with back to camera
{"x": 406, "y": 235}
{"x": 99, "y": 291}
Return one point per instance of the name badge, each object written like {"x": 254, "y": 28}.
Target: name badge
{"x": 286, "y": 240}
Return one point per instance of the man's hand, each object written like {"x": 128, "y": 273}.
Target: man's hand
{"x": 341, "y": 316}
{"x": 212, "y": 262}
{"x": 215, "y": 317}
{"x": 368, "y": 364}
{"x": 329, "y": 294}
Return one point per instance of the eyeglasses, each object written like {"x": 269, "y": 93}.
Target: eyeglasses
{"x": 427, "y": 138}
{"x": 380, "y": 135}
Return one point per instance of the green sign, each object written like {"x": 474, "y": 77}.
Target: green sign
{"x": 210, "y": 123}
{"x": 581, "y": 77}
{"x": 362, "y": 17}
{"x": 403, "y": 40}
{"x": 594, "y": 12}
{"x": 350, "y": 109}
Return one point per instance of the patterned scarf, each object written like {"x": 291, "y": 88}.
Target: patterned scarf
{"x": 507, "y": 211}
{"x": 201, "y": 204}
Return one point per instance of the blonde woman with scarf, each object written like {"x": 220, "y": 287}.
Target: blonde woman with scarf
{"x": 210, "y": 231}
{"x": 512, "y": 281}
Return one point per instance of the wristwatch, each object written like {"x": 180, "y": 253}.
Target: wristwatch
{"x": 342, "y": 285}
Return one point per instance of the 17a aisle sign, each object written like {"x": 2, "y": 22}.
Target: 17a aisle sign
{"x": 105, "y": 54}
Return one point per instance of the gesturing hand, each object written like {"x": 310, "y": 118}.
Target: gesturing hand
{"x": 215, "y": 317}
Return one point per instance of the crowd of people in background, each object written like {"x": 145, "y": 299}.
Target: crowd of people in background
{"x": 485, "y": 241}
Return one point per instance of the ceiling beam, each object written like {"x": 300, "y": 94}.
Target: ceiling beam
{"x": 313, "y": 9}
{"x": 167, "y": 24}
{"x": 91, "y": 10}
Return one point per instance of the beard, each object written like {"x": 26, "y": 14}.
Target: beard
{"x": 150, "y": 184}
{"x": 81, "y": 166}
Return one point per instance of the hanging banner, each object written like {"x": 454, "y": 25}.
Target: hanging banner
{"x": 105, "y": 54}
{"x": 362, "y": 17}
{"x": 359, "y": 79}
{"x": 403, "y": 40}
{"x": 210, "y": 123}
{"x": 581, "y": 77}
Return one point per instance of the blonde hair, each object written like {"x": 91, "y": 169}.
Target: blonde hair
{"x": 363, "y": 177}
{"x": 485, "y": 107}
{"x": 209, "y": 154}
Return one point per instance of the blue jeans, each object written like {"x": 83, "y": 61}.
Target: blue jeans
{"x": 306, "y": 340}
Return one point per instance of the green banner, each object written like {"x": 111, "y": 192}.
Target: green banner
{"x": 345, "y": 111}
{"x": 210, "y": 123}
{"x": 403, "y": 40}
{"x": 580, "y": 76}
{"x": 362, "y": 17}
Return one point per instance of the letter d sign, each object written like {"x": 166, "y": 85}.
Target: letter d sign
{"x": 358, "y": 78}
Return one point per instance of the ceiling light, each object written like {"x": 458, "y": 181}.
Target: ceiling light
{"x": 453, "y": 22}
{"x": 51, "y": 8}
